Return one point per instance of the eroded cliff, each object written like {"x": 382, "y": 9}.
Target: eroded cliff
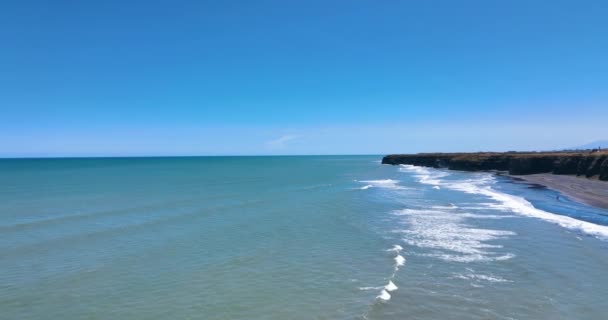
{"x": 590, "y": 165}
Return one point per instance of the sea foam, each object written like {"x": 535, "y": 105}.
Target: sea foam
{"x": 446, "y": 234}
{"x": 523, "y": 207}
{"x": 390, "y": 286}
{"x": 482, "y": 185}
{"x": 386, "y": 183}
{"x": 396, "y": 248}
{"x": 425, "y": 175}
{"x": 471, "y": 275}
{"x": 399, "y": 260}
{"x": 384, "y": 295}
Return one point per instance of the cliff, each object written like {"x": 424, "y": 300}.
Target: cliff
{"x": 518, "y": 163}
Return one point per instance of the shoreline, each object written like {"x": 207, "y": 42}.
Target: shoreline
{"x": 586, "y": 164}
{"x": 584, "y": 190}
{"x": 571, "y": 173}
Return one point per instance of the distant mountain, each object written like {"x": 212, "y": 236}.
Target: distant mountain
{"x": 592, "y": 145}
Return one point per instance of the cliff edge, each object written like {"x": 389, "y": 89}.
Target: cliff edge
{"x": 590, "y": 165}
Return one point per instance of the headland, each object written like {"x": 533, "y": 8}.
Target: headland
{"x": 582, "y": 176}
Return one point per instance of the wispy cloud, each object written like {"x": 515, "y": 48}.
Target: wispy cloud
{"x": 280, "y": 142}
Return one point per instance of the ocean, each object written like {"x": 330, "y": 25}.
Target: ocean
{"x": 311, "y": 237}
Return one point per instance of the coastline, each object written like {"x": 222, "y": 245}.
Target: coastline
{"x": 582, "y": 176}
{"x": 585, "y": 164}
{"x": 588, "y": 191}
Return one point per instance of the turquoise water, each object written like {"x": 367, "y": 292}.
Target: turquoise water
{"x": 333, "y": 237}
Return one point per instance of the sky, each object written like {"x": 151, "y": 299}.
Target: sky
{"x": 130, "y": 78}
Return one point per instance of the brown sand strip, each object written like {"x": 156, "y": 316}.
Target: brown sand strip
{"x": 591, "y": 192}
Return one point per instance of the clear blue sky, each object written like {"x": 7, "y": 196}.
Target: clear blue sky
{"x": 300, "y": 77}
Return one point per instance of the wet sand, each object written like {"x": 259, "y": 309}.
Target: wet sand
{"x": 591, "y": 192}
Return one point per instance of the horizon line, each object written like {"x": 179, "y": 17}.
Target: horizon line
{"x": 183, "y": 156}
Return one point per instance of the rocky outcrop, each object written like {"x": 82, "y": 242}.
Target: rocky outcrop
{"x": 517, "y": 163}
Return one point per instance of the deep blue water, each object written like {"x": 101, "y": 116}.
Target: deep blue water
{"x": 328, "y": 237}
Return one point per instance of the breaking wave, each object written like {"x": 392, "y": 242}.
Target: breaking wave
{"x": 477, "y": 277}
{"x": 386, "y": 183}
{"x": 482, "y": 185}
{"x": 390, "y": 286}
{"x": 425, "y": 175}
{"x": 446, "y": 235}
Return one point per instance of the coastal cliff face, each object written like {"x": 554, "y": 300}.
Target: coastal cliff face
{"x": 582, "y": 164}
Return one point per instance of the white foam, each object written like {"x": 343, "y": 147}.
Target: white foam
{"x": 436, "y": 187}
{"x": 523, "y": 207}
{"x": 386, "y": 183}
{"x": 470, "y": 257}
{"x": 399, "y": 260}
{"x": 448, "y": 207}
{"x": 475, "y": 276}
{"x": 486, "y": 216}
{"x": 396, "y": 248}
{"x": 425, "y": 175}
{"x": 487, "y": 206}
{"x": 366, "y": 187}
{"x": 371, "y": 288}
{"x": 489, "y": 278}
{"x": 446, "y": 233}
{"x": 390, "y": 286}
{"x": 384, "y": 295}
{"x": 482, "y": 184}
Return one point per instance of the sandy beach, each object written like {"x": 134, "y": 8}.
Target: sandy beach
{"x": 591, "y": 192}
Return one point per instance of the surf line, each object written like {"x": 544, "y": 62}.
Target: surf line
{"x": 390, "y": 287}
